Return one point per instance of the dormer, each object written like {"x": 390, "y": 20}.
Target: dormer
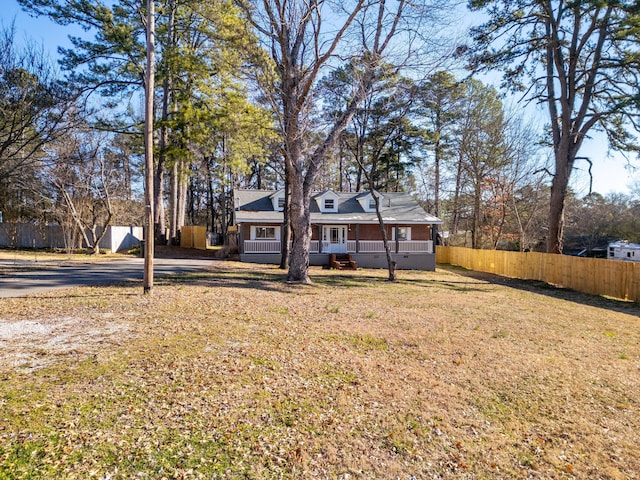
{"x": 368, "y": 202}
{"x": 277, "y": 199}
{"x": 327, "y": 202}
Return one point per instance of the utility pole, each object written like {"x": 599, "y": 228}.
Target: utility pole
{"x": 148, "y": 150}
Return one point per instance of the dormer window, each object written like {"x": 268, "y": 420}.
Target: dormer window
{"x": 368, "y": 202}
{"x": 327, "y": 202}
{"x": 277, "y": 200}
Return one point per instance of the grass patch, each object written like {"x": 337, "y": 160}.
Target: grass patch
{"x": 233, "y": 373}
{"x": 365, "y": 342}
{"x": 500, "y": 334}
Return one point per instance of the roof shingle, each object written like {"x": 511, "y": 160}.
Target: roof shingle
{"x": 255, "y": 206}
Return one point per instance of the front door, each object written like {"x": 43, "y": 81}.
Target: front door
{"x": 334, "y": 239}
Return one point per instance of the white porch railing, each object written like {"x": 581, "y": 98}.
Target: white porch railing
{"x": 404, "y": 246}
{"x": 262, "y": 246}
{"x": 415, "y": 246}
{"x": 371, "y": 246}
{"x": 364, "y": 246}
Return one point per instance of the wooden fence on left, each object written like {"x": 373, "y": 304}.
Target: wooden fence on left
{"x": 193, "y": 237}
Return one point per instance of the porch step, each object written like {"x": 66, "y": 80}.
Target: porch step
{"x": 342, "y": 262}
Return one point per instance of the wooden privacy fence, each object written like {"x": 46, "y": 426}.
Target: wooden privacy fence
{"x": 193, "y": 237}
{"x": 598, "y": 276}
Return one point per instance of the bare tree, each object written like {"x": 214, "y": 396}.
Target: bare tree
{"x": 439, "y": 99}
{"x": 34, "y": 110}
{"x": 86, "y": 181}
{"x": 303, "y": 39}
{"x": 482, "y": 149}
{"x": 580, "y": 60}
{"x": 521, "y": 150}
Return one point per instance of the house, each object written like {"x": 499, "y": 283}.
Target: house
{"x": 624, "y": 251}
{"x": 592, "y": 246}
{"x": 341, "y": 223}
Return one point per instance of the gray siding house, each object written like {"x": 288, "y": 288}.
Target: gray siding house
{"x": 341, "y": 223}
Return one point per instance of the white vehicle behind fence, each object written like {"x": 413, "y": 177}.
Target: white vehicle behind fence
{"x": 624, "y": 251}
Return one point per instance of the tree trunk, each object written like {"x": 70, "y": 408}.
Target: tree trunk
{"x": 437, "y": 151}
{"x": 300, "y": 219}
{"x": 475, "y": 230}
{"x": 173, "y": 204}
{"x": 341, "y": 166}
{"x": 182, "y": 195}
{"x": 95, "y": 238}
{"x": 159, "y": 222}
{"x": 300, "y": 182}
{"x": 210, "y": 196}
{"x": 391, "y": 265}
{"x": 286, "y": 225}
{"x": 455, "y": 216}
{"x": 93, "y": 247}
{"x": 360, "y": 160}
{"x": 559, "y": 187}
{"x": 259, "y": 175}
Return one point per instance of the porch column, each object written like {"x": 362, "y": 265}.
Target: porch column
{"x": 320, "y": 234}
{"x": 357, "y": 237}
{"x": 397, "y": 230}
{"x": 282, "y": 237}
{"x": 434, "y": 237}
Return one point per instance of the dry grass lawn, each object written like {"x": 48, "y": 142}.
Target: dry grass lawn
{"x": 232, "y": 373}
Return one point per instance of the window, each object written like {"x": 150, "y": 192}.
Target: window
{"x": 372, "y": 204}
{"x": 329, "y": 204}
{"x": 266, "y": 232}
{"x": 335, "y": 235}
{"x": 402, "y": 233}
{"x": 280, "y": 203}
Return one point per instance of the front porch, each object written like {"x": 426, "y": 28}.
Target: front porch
{"x": 404, "y": 261}
{"x": 352, "y": 246}
{"x": 408, "y": 254}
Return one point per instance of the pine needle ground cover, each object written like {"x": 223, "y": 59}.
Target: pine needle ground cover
{"x": 233, "y": 373}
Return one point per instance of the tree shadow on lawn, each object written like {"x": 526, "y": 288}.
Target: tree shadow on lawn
{"x": 542, "y": 288}
{"x": 227, "y": 277}
{"x": 468, "y": 281}
{"x": 259, "y": 279}
{"x": 360, "y": 279}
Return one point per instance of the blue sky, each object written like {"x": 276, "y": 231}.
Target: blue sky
{"x": 609, "y": 174}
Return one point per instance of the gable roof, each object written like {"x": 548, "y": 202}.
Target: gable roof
{"x": 255, "y": 206}
{"x": 327, "y": 193}
{"x": 624, "y": 244}
{"x": 277, "y": 193}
